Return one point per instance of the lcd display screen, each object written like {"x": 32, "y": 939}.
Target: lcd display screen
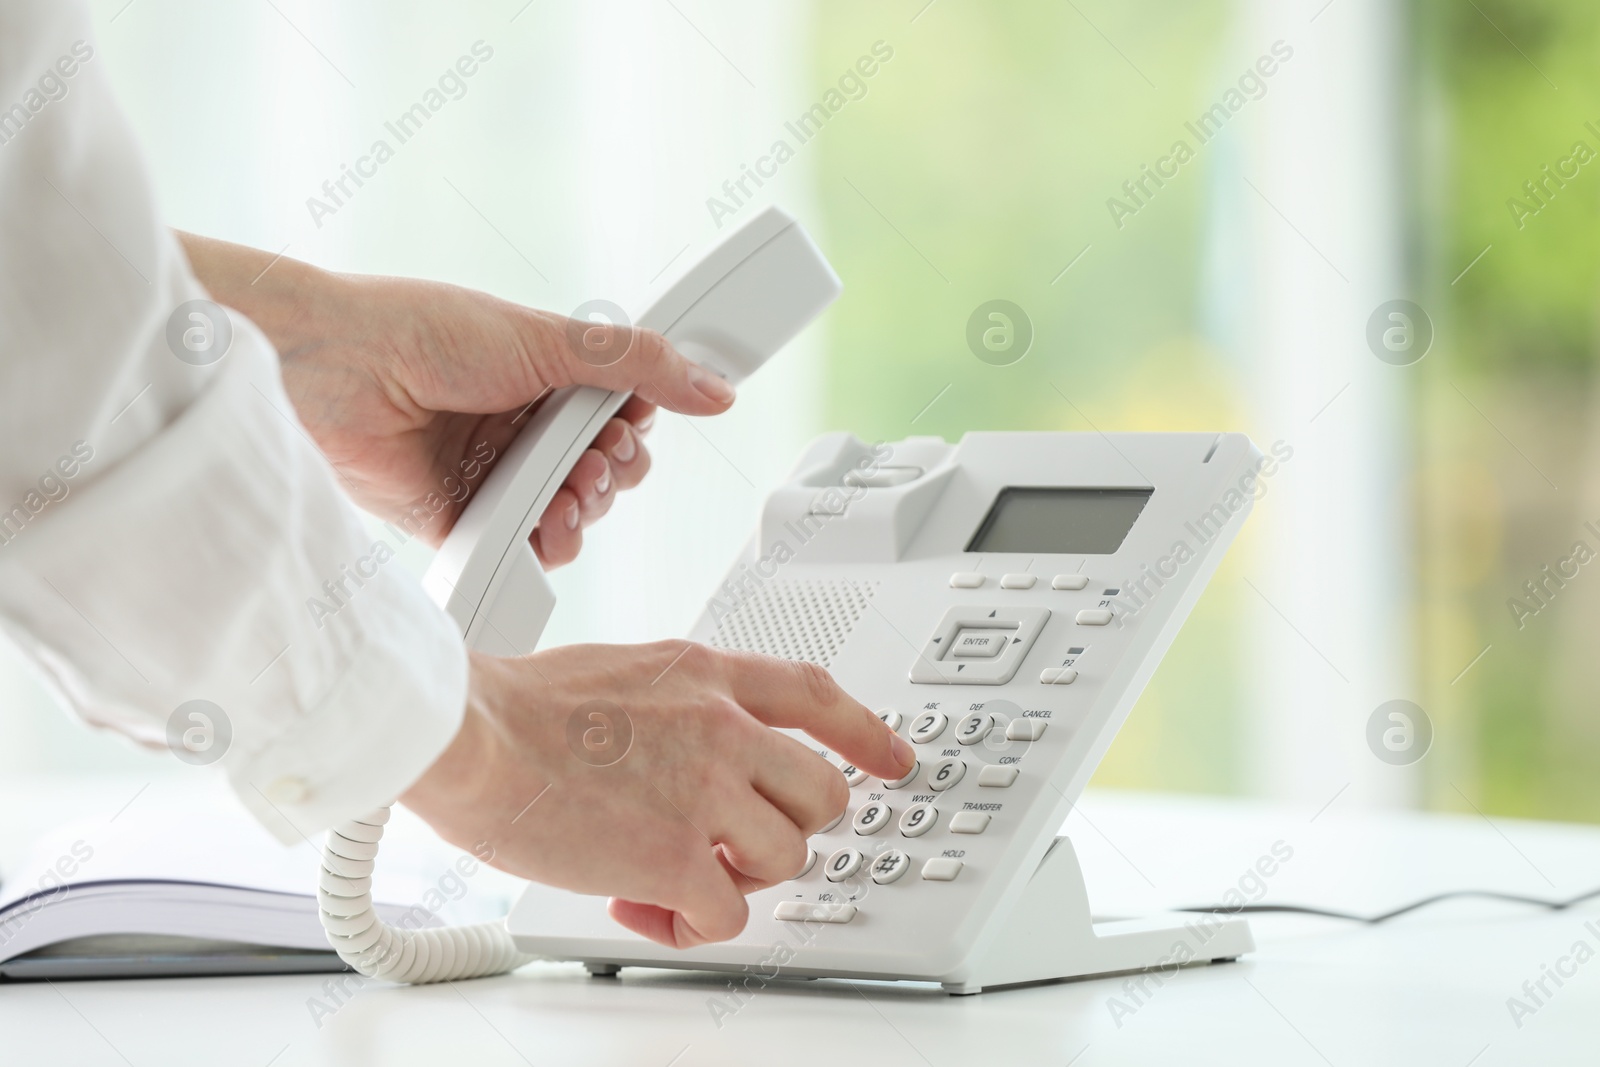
{"x": 1090, "y": 522}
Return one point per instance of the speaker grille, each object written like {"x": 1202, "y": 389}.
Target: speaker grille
{"x": 804, "y": 620}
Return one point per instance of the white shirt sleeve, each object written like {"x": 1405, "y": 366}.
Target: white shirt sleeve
{"x": 165, "y": 527}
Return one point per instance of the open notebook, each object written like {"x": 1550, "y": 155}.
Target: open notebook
{"x": 193, "y": 885}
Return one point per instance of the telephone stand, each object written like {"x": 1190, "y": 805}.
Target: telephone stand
{"x": 1049, "y": 935}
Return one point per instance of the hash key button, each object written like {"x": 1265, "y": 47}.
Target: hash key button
{"x": 942, "y": 869}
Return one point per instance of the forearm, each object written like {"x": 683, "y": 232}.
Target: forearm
{"x": 283, "y": 296}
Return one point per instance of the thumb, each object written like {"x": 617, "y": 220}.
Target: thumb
{"x": 628, "y": 359}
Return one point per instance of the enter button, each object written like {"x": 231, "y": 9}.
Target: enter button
{"x": 979, "y": 644}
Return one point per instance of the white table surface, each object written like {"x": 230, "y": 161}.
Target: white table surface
{"x": 1431, "y": 988}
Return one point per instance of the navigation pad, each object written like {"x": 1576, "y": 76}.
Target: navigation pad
{"x": 978, "y": 645}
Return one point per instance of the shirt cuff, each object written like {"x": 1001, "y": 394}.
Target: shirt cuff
{"x": 376, "y": 733}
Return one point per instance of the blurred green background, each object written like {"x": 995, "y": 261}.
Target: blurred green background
{"x": 1025, "y": 102}
{"x": 977, "y": 168}
{"x": 977, "y": 165}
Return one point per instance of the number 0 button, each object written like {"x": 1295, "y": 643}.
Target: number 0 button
{"x": 918, "y": 820}
{"x": 843, "y": 864}
{"x": 872, "y": 817}
{"x": 946, "y": 773}
{"x": 927, "y": 726}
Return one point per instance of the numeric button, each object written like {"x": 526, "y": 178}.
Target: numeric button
{"x": 872, "y": 818}
{"x": 853, "y": 775}
{"x": 946, "y": 773}
{"x": 918, "y": 820}
{"x": 974, "y": 728}
{"x": 901, "y": 783}
{"x": 844, "y": 864}
{"x": 928, "y": 726}
{"x": 889, "y": 866}
{"x": 890, "y": 717}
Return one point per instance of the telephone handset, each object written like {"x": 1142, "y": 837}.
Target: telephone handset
{"x": 730, "y": 313}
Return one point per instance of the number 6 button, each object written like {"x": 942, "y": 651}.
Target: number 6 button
{"x": 946, "y": 773}
{"x": 927, "y": 726}
{"x": 872, "y": 817}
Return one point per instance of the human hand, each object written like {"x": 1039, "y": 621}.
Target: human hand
{"x": 698, "y": 802}
{"x": 411, "y": 388}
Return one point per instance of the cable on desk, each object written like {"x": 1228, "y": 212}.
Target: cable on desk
{"x": 1454, "y": 894}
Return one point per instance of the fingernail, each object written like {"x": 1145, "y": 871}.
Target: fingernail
{"x": 572, "y": 517}
{"x": 709, "y": 384}
{"x": 602, "y": 484}
{"x": 902, "y": 751}
{"x": 644, "y": 424}
{"x": 626, "y": 449}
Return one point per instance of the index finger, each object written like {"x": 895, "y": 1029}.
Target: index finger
{"x": 802, "y": 696}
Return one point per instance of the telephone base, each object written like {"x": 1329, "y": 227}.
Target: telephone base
{"x": 1047, "y": 935}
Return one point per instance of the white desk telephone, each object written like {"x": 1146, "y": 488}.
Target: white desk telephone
{"x": 1003, "y": 601}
